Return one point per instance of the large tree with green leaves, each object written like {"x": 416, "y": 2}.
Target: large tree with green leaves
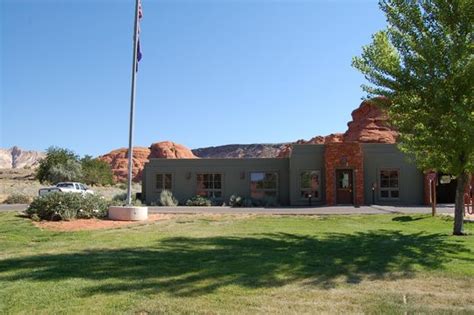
{"x": 59, "y": 165}
{"x": 423, "y": 63}
{"x": 96, "y": 172}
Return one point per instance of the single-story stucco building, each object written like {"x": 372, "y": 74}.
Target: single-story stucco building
{"x": 349, "y": 173}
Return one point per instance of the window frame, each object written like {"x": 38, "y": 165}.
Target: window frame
{"x": 211, "y": 190}
{"x": 389, "y": 189}
{"x": 264, "y": 190}
{"x": 163, "y": 181}
{"x": 301, "y": 189}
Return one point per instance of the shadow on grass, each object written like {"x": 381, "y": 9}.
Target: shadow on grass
{"x": 407, "y": 218}
{"x": 196, "y": 266}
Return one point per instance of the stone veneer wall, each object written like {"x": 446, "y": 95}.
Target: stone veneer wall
{"x": 347, "y": 155}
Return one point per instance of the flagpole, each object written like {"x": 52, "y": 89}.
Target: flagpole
{"x": 132, "y": 105}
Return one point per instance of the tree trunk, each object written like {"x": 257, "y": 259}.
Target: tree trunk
{"x": 459, "y": 205}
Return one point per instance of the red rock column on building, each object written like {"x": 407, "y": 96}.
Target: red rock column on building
{"x": 347, "y": 155}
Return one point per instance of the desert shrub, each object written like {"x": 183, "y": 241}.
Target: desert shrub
{"x": 96, "y": 172}
{"x": 121, "y": 200}
{"x": 17, "y": 198}
{"x": 93, "y": 206}
{"x": 59, "y": 165}
{"x": 69, "y": 171}
{"x": 167, "y": 199}
{"x": 199, "y": 201}
{"x": 67, "y": 206}
{"x": 122, "y": 185}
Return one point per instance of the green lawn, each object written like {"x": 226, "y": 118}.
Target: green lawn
{"x": 240, "y": 264}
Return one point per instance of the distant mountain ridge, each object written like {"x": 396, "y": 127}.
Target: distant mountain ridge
{"x": 244, "y": 151}
{"x": 15, "y": 157}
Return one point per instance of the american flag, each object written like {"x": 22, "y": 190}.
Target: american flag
{"x": 140, "y": 15}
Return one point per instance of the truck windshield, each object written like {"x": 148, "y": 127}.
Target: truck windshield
{"x": 65, "y": 185}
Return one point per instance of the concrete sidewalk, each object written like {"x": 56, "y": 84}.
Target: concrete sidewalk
{"x": 302, "y": 210}
{"x": 374, "y": 209}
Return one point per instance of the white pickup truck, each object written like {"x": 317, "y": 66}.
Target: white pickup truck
{"x": 66, "y": 187}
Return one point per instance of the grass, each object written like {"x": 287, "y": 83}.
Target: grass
{"x": 240, "y": 264}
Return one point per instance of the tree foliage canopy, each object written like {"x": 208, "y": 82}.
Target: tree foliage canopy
{"x": 64, "y": 165}
{"x": 96, "y": 172}
{"x": 59, "y": 165}
{"x": 423, "y": 63}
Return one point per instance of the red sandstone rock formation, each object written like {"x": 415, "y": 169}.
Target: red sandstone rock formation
{"x": 368, "y": 125}
{"x": 332, "y": 138}
{"x": 170, "y": 150}
{"x": 118, "y": 159}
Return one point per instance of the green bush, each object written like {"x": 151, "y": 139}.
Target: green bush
{"x": 67, "y": 206}
{"x": 67, "y": 172}
{"x": 59, "y": 165}
{"x": 121, "y": 200}
{"x": 96, "y": 172}
{"x": 93, "y": 206}
{"x": 199, "y": 201}
{"x": 167, "y": 199}
{"x": 17, "y": 198}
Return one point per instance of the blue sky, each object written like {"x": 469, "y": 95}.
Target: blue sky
{"x": 213, "y": 72}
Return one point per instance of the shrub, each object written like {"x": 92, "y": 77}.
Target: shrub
{"x": 167, "y": 199}
{"x": 121, "y": 200}
{"x": 93, "y": 206}
{"x": 199, "y": 201}
{"x": 17, "y": 198}
{"x": 59, "y": 165}
{"x": 69, "y": 171}
{"x": 122, "y": 185}
{"x": 67, "y": 206}
{"x": 96, "y": 172}
{"x": 236, "y": 201}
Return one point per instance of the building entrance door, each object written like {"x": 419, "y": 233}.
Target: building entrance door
{"x": 344, "y": 189}
{"x": 445, "y": 189}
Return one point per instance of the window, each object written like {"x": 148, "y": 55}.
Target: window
{"x": 65, "y": 185}
{"x": 263, "y": 184}
{"x": 310, "y": 184}
{"x": 164, "y": 181}
{"x": 209, "y": 185}
{"x": 389, "y": 184}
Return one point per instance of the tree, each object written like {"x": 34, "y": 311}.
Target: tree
{"x": 59, "y": 165}
{"x": 96, "y": 172}
{"x": 67, "y": 172}
{"x": 423, "y": 64}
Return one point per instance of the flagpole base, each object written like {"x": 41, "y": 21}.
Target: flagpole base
{"x": 128, "y": 213}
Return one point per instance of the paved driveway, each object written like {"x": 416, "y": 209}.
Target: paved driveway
{"x": 283, "y": 210}
{"x": 16, "y": 207}
{"x": 303, "y": 210}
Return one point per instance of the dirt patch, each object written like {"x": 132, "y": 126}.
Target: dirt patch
{"x": 95, "y": 224}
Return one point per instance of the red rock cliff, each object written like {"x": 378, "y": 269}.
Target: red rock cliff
{"x": 369, "y": 125}
{"x": 118, "y": 159}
